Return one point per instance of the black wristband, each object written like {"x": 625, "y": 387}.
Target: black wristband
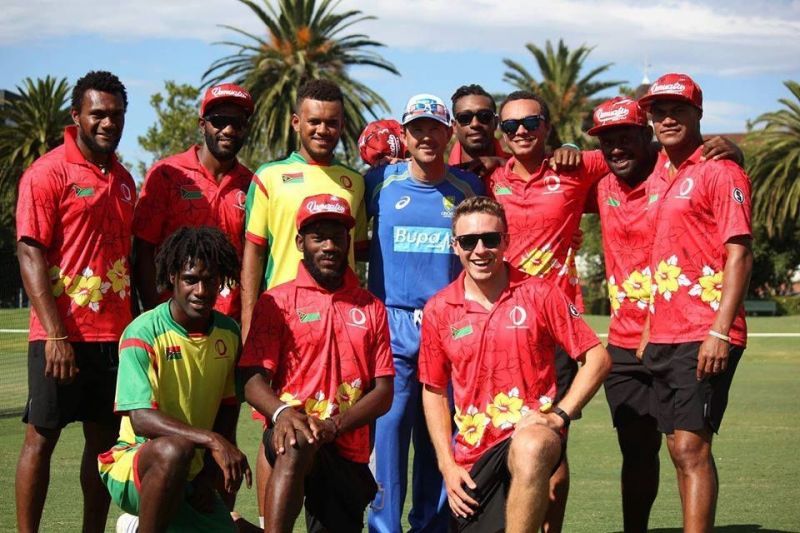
{"x": 563, "y": 414}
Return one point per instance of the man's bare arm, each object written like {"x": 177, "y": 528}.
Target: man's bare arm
{"x": 144, "y": 272}
{"x": 591, "y": 374}
{"x": 253, "y": 261}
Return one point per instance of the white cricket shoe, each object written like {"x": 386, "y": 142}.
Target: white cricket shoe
{"x": 127, "y": 523}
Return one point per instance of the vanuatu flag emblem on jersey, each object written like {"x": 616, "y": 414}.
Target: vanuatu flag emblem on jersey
{"x": 191, "y": 192}
{"x": 613, "y": 202}
{"x": 174, "y": 353}
{"x": 502, "y": 190}
{"x": 308, "y": 315}
{"x": 292, "y": 177}
{"x": 83, "y": 192}
{"x": 460, "y": 330}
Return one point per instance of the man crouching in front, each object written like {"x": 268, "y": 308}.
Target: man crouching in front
{"x": 318, "y": 364}
{"x": 492, "y": 333}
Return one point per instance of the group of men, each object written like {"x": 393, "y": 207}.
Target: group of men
{"x": 467, "y": 340}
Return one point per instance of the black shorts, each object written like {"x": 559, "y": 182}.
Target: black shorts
{"x": 566, "y": 369}
{"x": 337, "y": 491}
{"x": 681, "y": 401}
{"x": 89, "y": 398}
{"x": 493, "y": 480}
{"x": 629, "y": 387}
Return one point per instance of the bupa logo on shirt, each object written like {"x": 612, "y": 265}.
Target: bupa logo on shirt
{"x": 174, "y": 353}
{"x": 292, "y": 177}
{"x": 421, "y": 239}
{"x": 308, "y": 315}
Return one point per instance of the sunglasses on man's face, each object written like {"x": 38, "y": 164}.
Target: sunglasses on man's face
{"x": 221, "y": 122}
{"x": 485, "y": 117}
{"x": 469, "y": 241}
{"x": 530, "y": 123}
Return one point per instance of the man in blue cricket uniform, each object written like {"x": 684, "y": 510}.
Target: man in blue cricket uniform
{"x": 411, "y": 204}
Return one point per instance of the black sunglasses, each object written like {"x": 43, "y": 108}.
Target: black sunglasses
{"x": 221, "y": 122}
{"x": 485, "y": 116}
{"x": 469, "y": 241}
{"x": 530, "y": 123}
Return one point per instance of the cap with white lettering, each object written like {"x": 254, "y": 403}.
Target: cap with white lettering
{"x": 673, "y": 87}
{"x": 327, "y": 207}
{"x": 226, "y": 92}
{"x": 619, "y": 111}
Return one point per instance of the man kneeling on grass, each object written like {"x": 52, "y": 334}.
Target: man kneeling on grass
{"x": 492, "y": 333}
{"x": 317, "y": 363}
{"x": 175, "y": 386}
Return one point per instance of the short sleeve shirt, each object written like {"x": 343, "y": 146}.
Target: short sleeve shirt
{"x": 82, "y": 218}
{"x": 179, "y": 191}
{"x": 325, "y": 349}
{"x": 274, "y": 197}
{"x": 703, "y": 205}
{"x": 626, "y": 221}
{"x": 543, "y": 213}
{"x": 501, "y": 362}
{"x": 410, "y": 254}
{"x": 185, "y": 376}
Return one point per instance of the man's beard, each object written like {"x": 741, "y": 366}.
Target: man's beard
{"x": 219, "y": 153}
{"x": 326, "y": 279}
{"x": 94, "y": 147}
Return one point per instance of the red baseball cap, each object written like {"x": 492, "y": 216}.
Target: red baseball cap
{"x": 381, "y": 138}
{"x": 324, "y": 206}
{"x": 619, "y": 111}
{"x": 226, "y": 92}
{"x": 673, "y": 87}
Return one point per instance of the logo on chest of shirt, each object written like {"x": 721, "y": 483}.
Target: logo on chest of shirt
{"x": 127, "y": 195}
{"x": 502, "y": 189}
{"x": 240, "y": 200}
{"x": 308, "y": 314}
{"x": 613, "y": 202}
{"x": 357, "y": 318}
{"x": 346, "y": 182}
{"x": 449, "y": 204}
{"x": 552, "y": 184}
{"x": 173, "y": 353}
{"x": 83, "y": 192}
{"x": 221, "y": 348}
{"x": 685, "y": 188}
{"x": 292, "y": 177}
{"x": 402, "y": 202}
{"x": 191, "y": 192}
{"x": 459, "y": 330}
{"x": 518, "y": 317}
{"x": 421, "y": 239}
{"x": 653, "y": 198}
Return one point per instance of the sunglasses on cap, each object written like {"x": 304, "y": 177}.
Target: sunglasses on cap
{"x": 469, "y": 241}
{"x": 485, "y": 116}
{"x": 530, "y": 123}
{"x": 221, "y": 122}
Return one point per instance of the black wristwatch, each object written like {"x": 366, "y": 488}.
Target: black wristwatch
{"x": 563, "y": 414}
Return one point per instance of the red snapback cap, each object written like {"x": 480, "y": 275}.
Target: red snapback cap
{"x": 324, "y": 206}
{"x": 226, "y": 92}
{"x": 619, "y": 111}
{"x": 381, "y": 138}
{"x": 673, "y": 87}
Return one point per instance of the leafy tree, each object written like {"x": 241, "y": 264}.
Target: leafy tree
{"x": 570, "y": 95}
{"x": 302, "y": 40}
{"x": 176, "y": 123}
{"x": 31, "y": 124}
{"x": 775, "y": 167}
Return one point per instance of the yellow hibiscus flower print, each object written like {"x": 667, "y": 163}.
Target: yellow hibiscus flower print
{"x": 318, "y": 406}
{"x": 348, "y": 394}
{"x": 86, "y": 290}
{"x": 289, "y": 399}
{"x": 471, "y": 425}
{"x": 58, "y": 283}
{"x": 637, "y": 287}
{"x": 506, "y": 409}
{"x": 615, "y": 296}
{"x": 709, "y": 287}
{"x": 669, "y": 277}
{"x": 120, "y": 280}
{"x": 539, "y": 261}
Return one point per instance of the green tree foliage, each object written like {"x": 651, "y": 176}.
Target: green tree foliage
{"x": 775, "y": 166}
{"x": 301, "y": 40}
{"x": 176, "y": 127}
{"x": 774, "y": 260}
{"x": 570, "y": 95}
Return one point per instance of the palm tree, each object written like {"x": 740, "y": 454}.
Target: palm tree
{"x": 302, "y": 41}
{"x": 570, "y": 97}
{"x": 775, "y": 168}
{"x": 32, "y": 123}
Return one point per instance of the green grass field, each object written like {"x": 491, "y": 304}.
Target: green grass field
{"x": 756, "y": 453}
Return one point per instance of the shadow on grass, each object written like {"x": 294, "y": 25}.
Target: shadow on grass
{"x": 736, "y": 528}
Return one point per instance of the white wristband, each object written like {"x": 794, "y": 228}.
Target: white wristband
{"x": 719, "y": 335}
{"x": 278, "y": 411}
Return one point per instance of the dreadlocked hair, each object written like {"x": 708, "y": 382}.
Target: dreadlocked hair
{"x": 188, "y": 245}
